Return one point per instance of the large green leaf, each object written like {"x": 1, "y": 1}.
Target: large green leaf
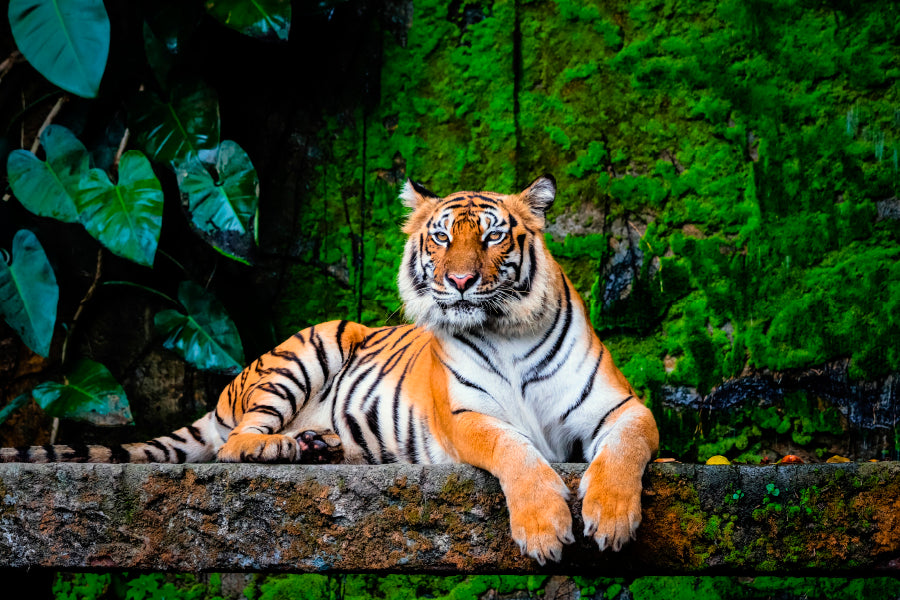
{"x": 170, "y": 131}
{"x": 206, "y": 337}
{"x": 256, "y": 18}
{"x": 67, "y": 41}
{"x": 90, "y": 393}
{"x": 13, "y": 406}
{"x": 222, "y": 210}
{"x": 28, "y": 292}
{"x": 49, "y": 188}
{"x": 126, "y": 218}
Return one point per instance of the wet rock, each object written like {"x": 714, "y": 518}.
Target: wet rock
{"x": 620, "y": 271}
{"x": 888, "y": 209}
{"x": 588, "y": 218}
{"x": 866, "y": 404}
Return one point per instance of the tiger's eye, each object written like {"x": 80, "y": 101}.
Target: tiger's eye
{"x": 495, "y": 236}
{"x": 440, "y": 237}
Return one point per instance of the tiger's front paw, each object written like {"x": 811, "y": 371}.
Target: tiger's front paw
{"x": 257, "y": 447}
{"x": 539, "y": 517}
{"x": 611, "y": 507}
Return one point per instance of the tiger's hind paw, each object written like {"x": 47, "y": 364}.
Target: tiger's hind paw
{"x": 320, "y": 448}
{"x": 257, "y": 447}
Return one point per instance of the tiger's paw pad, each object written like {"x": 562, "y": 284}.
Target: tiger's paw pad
{"x": 252, "y": 447}
{"x": 320, "y": 448}
{"x": 612, "y": 514}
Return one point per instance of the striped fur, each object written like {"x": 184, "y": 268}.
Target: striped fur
{"x": 502, "y": 370}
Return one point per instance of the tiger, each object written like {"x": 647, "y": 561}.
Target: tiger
{"x": 500, "y": 369}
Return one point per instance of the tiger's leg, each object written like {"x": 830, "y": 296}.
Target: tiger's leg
{"x": 539, "y": 516}
{"x": 282, "y": 388}
{"x": 619, "y": 451}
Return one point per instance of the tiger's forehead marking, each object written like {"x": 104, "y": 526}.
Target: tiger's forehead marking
{"x": 472, "y": 208}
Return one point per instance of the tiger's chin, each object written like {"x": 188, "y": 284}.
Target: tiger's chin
{"x": 453, "y": 317}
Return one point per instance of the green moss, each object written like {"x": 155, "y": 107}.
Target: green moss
{"x": 755, "y": 138}
{"x": 94, "y": 586}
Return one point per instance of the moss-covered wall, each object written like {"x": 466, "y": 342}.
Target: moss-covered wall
{"x": 728, "y": 174}
{"x": 86, "y": 586}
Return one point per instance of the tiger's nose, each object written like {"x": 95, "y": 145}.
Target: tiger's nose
{"x": 461, "y": 282}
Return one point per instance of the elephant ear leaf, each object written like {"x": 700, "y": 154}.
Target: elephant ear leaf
{"x": 171, "y": 130}
{"x": 224, "y": 210}
{"x": 205, "y": 337}
{"x": 89, "y": 393}
{"x": 28, "y": 292}
{"x": 259, "y": 19}
{"x": 126, "y": 218}
{"x": 49, "y": 188}
{"x": 67, "y": 41}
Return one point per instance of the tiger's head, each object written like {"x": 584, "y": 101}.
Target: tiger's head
{"x": 477, "y": 260}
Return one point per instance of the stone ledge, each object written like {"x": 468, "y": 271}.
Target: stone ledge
{"x": 826, "y": 519}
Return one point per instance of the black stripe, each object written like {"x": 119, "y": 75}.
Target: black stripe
{"x": 418, "y": 284}
{"x": 221, "y": 421}
{"x": 377, "y": 336}
{"x": 481, "y": 354}
{"x": 50, "y": 452}
{"x": 400, "y": 338}
{"x": 159, "y": 445}
{"x": 180, "y": 455}
{"x": 118, "y": 454}
{"x": 560, "y": 338}
{"x": 393, "y": 360}
{"x": 458, "y": 411}
{"x": 603, "y": 420}
{"x": 398, "y": 390}
{"x": 548, "y": 374}
{"x": 196, "y": 434}
{"x": 463, "y": 380}
{"x": 549, "y": 330}
{"x": 587, "y": 388}
{"x": 357, "y": 434}
{"x": 356, "y": 382}
{"x": 149, "y": 455}
{"x": 423, "y": 427}
{"x": 288, "y": 373}
{"x": 23, "y": 454}
{"x": 177, "y": 438}
{"x": 76, "y": 453}
{"x": 321, "y": 354}
{"x": 375, "y": 428}
{"x": 269, "y": 410}
{"x": 411, "y": 452}
{"x": 339, "y": 335}
{"x": 279, "y": 390}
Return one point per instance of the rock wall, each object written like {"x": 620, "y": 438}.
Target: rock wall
{"x": 824, "y": 519}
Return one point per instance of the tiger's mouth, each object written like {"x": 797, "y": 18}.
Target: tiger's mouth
{"x": 461, "y": 306}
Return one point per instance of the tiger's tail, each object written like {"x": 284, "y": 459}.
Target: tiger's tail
{"x": 193, "y": 443}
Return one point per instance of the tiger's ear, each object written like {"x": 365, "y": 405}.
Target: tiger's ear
{"x": 414, "y": 194}
{"x": 540, "y": 194}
